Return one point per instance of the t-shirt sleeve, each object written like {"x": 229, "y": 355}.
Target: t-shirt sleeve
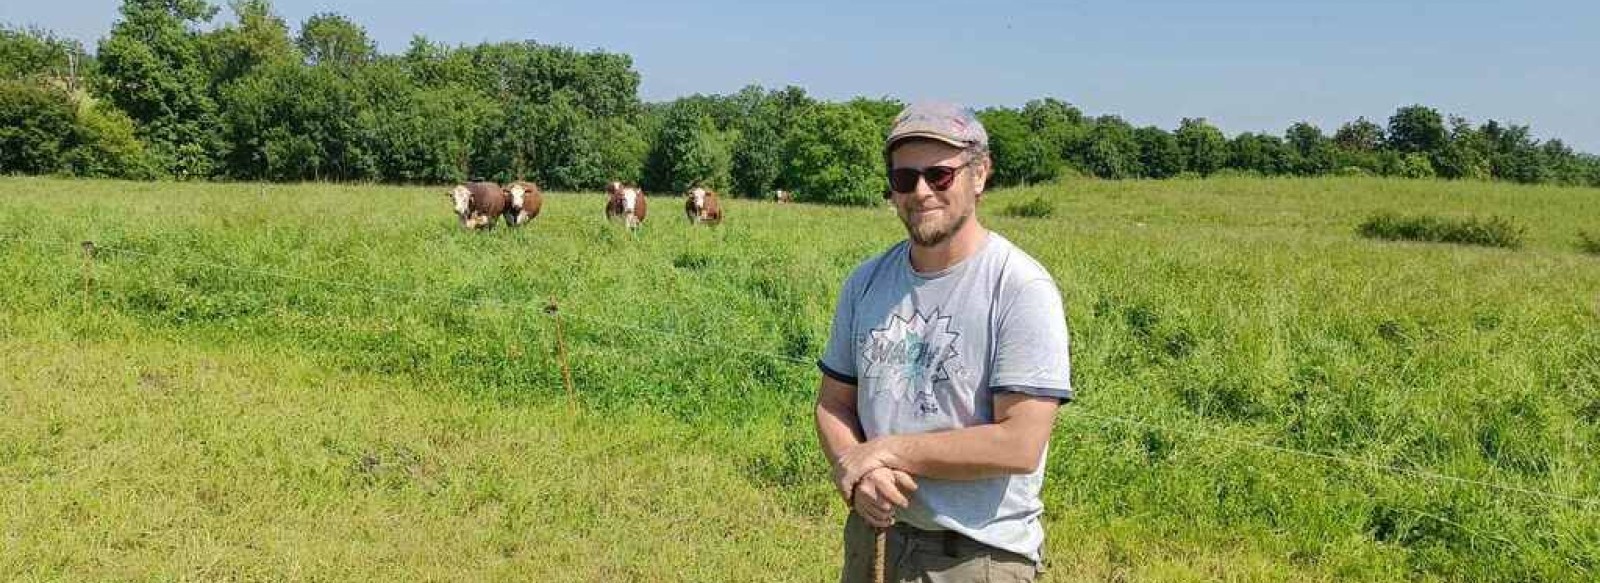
{"x": 1031, "y": 351}
{"x": 839, "y": 358}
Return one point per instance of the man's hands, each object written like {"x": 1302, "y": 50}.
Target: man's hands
{"x": 868, "y": 482}
{"x": 880, "y": 493}
{"x": 860, "y": 460}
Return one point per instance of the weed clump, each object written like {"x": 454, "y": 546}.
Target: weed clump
{"x": 1035, "y": 208}
{"x": 1492, "y": 232}
{"x": 1588, "y": 243}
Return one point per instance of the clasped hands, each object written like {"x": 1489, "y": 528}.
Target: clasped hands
{"x": 867, "y": 479}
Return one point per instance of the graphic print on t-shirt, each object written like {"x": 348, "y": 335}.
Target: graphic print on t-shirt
{"x": 907, "y": 355}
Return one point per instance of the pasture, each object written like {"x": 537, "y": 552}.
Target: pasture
{"x": 322, "y": 382}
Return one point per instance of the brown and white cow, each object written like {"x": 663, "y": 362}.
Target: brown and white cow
{"x": 625, "y": 203}
{"x": 526, "y": 200}
{"x": 783, "y": 196}
{"x": 478, "y": 204}
{"x": 702, "y": 207}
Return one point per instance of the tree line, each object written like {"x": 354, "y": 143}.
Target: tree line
{"x": 165, "y": 96}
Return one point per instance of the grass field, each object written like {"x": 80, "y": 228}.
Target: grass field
{"x": 314, "y": 382}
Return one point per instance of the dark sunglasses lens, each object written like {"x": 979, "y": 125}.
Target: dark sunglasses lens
{"x": 903, "y": 179}
{"x": 940, "y": 177}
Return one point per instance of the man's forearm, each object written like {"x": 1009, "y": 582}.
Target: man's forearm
{"x": 839, "y": 429}
{"x": 971, "y": 453}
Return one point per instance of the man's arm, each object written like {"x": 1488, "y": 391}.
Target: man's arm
{"x": 1013, "y": 444}
{"x": 838, "y": 426}
{"x": 874, "y": 495}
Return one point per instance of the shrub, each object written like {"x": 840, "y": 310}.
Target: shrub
{"x": 1035, "y": 208}
{"x": 35, "y": 126}
{"x": 1415, "y": 166}
{"x": 1588, "y": 243}
{"x": 1492, "y": 232}
{"x": 833, "y": 156}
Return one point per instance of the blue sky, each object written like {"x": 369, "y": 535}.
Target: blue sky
{"x": 1246, "y": 65}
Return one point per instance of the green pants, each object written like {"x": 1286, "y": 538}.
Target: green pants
{"x": 913, "y": 556}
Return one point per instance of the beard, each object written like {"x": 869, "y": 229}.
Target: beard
{"x": 931, "y": 233}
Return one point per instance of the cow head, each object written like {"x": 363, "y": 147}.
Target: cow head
{"x": 517, "y": 192}
{"x": 699, "y": 196}
{"x": 630, "y": 198}
{"x": 461, "y": 198}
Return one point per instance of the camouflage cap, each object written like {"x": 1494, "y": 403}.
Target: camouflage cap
{"x": 937, "y": 120}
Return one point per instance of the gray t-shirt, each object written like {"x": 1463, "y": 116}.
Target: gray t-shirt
{"x": 928, "y": 351}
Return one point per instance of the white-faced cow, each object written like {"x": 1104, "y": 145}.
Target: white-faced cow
{"x": 783, "y": 196}
{"x": 626, "y": 204}
{"x": 478, "y": 204}
{"x": 526, "y": 200}
{"x": 702, "y": 207}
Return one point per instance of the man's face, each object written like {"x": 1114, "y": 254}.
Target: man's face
{"x": 931, "y": 216}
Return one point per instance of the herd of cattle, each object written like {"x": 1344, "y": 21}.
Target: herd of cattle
{"x": 479, "y": 204}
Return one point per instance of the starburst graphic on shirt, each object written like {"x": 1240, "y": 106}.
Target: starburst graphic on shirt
{"x": 908, "y": 355}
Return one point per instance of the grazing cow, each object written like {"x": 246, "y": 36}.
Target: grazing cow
{"x": 701, "y": 207}
{"x": 526, "y": 200}
{"x": 626, "y": 203}
{"x": 784, "y": 196}
{"x": 478, "y": 204}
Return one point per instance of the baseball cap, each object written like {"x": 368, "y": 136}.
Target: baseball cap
{"x": 938, "y": 120}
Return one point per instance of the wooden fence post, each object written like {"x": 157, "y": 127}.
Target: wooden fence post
{"x": 554, "y": 311}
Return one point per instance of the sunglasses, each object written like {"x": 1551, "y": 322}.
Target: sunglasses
{"x": 939, "y": 178}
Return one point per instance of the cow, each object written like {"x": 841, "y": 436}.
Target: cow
{"x": 526, "y": 200}
{"x": 625, "y": 203}
{"x": 783, "y": 196}
{"x": 701, "y": 206}
{"x": 478, "y": 204}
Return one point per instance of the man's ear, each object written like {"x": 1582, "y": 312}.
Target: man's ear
{"x": 981, "y": 172}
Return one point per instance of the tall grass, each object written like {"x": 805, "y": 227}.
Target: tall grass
{"x": 1588, "y": 243}
{"x": 204, "y": 420}
{"x": 1491, "y": 232}
{"x": 1036, "y": 208}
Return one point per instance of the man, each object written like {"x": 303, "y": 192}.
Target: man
{"x": 945, "y": 366}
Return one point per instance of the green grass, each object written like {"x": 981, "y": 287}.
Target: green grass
{"x": 163, "y": 461}
{"x": 1588, "y": 243}
{"x": 201, "y": 420}
{"x": 1491, "y": 232}
{"x": 1036, "y": 208}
